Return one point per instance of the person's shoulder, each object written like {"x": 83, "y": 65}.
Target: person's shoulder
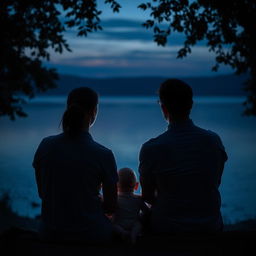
{"x": 51, "y": 139}
{"x": 153, "y": 143}
{"x": 216, "y": 140}
{"x": 206, "y": 132}
{"x": 103, "y": 152}
{"x": 45, "y": 146}
{"x": 102, "y": 149}
{"x": 211, "y": 136}
{"x": 213, "y": 140}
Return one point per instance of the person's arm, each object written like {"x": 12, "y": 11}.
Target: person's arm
{"x": 147, "y": 181}
{"x": 109, "y": 198}
{"x": 148, "y": 189}
{"x": 36, "y": 165}
{"x": 223, "y": 157}
{"x": 109, "y": 184}
{"x": 38, "y": 181}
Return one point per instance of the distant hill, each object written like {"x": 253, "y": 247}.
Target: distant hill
{"x": 223, "y": 85}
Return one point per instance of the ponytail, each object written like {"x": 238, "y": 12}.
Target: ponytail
{"x": 72, "y": 120}
{"x": 80, "y": 103}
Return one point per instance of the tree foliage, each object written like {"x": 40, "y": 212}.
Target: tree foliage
{"x": 228, "y": 27}
{"x": 31, "y": 29}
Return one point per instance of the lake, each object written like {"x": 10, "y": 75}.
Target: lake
{"x": 123, "y": 124}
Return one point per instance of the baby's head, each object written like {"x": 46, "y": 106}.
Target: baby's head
{"x": 127, "y": 180}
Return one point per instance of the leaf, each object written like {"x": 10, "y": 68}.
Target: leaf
{"x": 142, "y": 6}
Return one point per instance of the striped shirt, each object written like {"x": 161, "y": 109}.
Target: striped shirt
{"x": 184, "y": 166}
{"x": 71, "y": 173}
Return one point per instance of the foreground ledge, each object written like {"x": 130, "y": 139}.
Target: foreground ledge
{"x": 17, "y": 241}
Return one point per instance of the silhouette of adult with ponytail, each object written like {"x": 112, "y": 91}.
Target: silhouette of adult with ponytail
{"x": 70, "y": 170}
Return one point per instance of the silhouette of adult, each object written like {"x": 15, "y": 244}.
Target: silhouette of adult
{"x": 71, "y": 168}
{"x": 180, "y": 170}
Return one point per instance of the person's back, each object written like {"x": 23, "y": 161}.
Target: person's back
{"x": 71, "y": 168}
{"x": 183, "y": 168}
{"x": 72, "y": 171}
{"x": 186, "y": 164}
{"x": 128, "y": 208}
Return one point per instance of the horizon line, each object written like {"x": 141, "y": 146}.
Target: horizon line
{"x": 150, "y": 76}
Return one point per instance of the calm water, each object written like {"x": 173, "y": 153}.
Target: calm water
{"x": 123, "y": 124}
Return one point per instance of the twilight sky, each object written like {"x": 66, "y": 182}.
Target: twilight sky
{"x": 125, "y": 48}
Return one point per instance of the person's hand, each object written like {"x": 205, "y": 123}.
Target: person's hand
{"x": 109, "y": 216}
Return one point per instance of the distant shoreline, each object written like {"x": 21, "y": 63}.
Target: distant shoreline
{"x": 61, "y": 99}
{"x": 220, "y": 85}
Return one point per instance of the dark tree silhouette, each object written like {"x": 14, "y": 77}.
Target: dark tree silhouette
{"x": 29, "y": 30}
{"x": 228, "y": 27}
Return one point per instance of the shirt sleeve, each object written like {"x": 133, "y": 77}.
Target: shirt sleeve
{"x": 110, "y": 175}
{"x": 147, "y": 179}
{"x": 38, "y": 155}
{"x": 221, "y": 147}
{"x": 145, "y": 164}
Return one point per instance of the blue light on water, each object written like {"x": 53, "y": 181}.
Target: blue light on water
{"x": 123, "y": 124}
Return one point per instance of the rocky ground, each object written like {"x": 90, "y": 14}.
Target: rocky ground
{"x": 17, "y": 237}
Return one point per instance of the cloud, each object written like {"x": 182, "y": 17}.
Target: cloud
{"x": 125, "y": 48}
{"x": 139, "y": 63}
{"x": 117, "y": 23}
{"x": 123, "y": 30}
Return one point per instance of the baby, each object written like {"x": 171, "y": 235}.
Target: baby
{"x": 126, "y": 218}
